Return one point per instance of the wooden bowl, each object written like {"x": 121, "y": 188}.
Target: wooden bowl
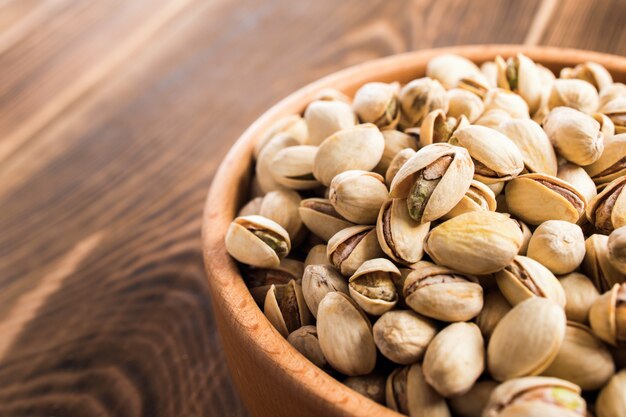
{"x": 274, "y": 380}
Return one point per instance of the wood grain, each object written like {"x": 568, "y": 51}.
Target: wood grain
{"x": 114, "y": 116}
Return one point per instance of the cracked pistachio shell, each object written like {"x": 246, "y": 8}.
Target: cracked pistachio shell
{"x": 395, "y": 141}
{"x": 350, "y": 247}
{"x": 372, "y": 286}
{"x": 293, "y": 126}
{"x": 473, "y": 402}
{"x": 377, "y": 103}
{"x": 558, "y": 245}
{"x": 282, "y": 207}
{"x": 359, "y": 147}
{"x": 321, "y": 218}
{"x": 533, "y": 143}
{"x": 592, "y": 72}
{"x": 607, "y": 211}
{"x": 371, "y": 386}
{"x": 433, "y": 181}
{"x": 511, "y": 103}
{"x": 478, "y": 197}
{"x": 617, "y": 249}
{"x": 326, "y": 117}
{"x": 263, "y": 168}
{"x": 478, "y": 242}
{"x": 573, "y": 93}
{"x": 399, "y": 236}
{"x": 449, "y": 69}
{"x": 578, "y": 178}
{"x": 319, "y": 280}
{"x": 611, "y": 92}
{"x": 495, "y": 156}
{"x": 285, "y": 308}
{"x": 583, "y": 359}
{"x": 437, "y": 127}
{"x": 479, "y": 83}
{"x": 525, "y": 278}
{"x": 305, "y": 341}
{"x": 292, "y": 167}
{"x": 442, "y": 293}
{"x": 402, "y": 336}
{"x": 418, "y": 98}
{"x": 536, "y": 198}
{"x": 612, "y": 399}
{"x": 616, "y": 111}
{"x": 608, "y": 316}
{"x": 527, "y": 339}
{"x": 580, "y": 294}
{"x": 317, "y": 256}
{"x": 345, "y": 335}
{"x": 576, "y": 136}
{"x": 396, "y": 163}
{"x": 251, "y": 207}
{"x": 462, "y": 102}
{"x": 408, "y": 393}
{"x": 493, "y": 118}
{"x": 520, "y": 75}
{"x": 358, "y": 195}
{"x": 495, "y": 307}
{"x": 257, "y": 241}
{"x": 612, "y": 164}
{"x": 259, "y": 280}
{"x": 597, "y": 264}
{"x": 536, "y": 396}
{"x": 455, "y": 359}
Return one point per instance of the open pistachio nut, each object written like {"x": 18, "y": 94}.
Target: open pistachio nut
{"x": 372, "y": 286}
{"x": 616, "y": 111}
{"x": 438, "y": 127}
{"x": 612, "y": 164}
{"x": 285, "y": 308}
{"x": 321, "y": 218}
{"x": 592, "y": 72}
{"x": 418, "y": 98}
{"x": 607, "y": 211}
{"x": 574, "y": 93}
{"x": 408, "y": 393}
{"x": 371, "y": 386}
{"x": 616, "y": 245}
{"x": 395, "y": 141}
{"x": 377, "y": 103}
{"x": 259, "y": 280}
{"x": 319, "y": 280}
{"x": 350, "y": 247}
{"x": 257, "y": 241}
{"x": 597, "y": 264}
{"x": 608, "y": 316}
{"x": 479, "y": 197}
{"x": 520, "y": 75}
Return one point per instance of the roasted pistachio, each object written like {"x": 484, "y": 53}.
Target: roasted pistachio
{"x": 520, "y": 75}
{"x": 396, "y": 163}
{"x": 402, "y": 336}
{"x": 306, "y": 342}
{"x": 317, "y": 256}
{"x": 616, "y": 245}
{"x": 418, "y": 98}
{"x": 612, "y": 399}
{"x": 437, "y": 127}
{"x": 580, "y": 294}
{"x": 493, "y": 118}
{"x": 462, "y": 102}
{"x": 326, "y": 117}
{"x": 408, "y": 393}
{"x": 558, "y": 245}
{"x": 592, "y": 72}
{"x": 505, "y": 100}
{"x": 285, "y": 308}
{"x": 257, "y": 241}
{"x": 607, "y": 211}
{"x": 293, "y": 126}
{"x": 282, "y": 207}
{"x": 266, "y": 156}
{"x": 371, "y": 386}
{"x": 350, "y": 247}
{"x": 358, "y": 195}
{"x": 597, "y": 264}
{"x": 616, "y": 111}
{"x": 395, "y": 141}
{"x": 478, "y": 197}
{"x": 526, "y": 235}
{"x": 578, "y": 178}
{"x": 321, "y": 218}
{"x": 377, "y": 103}
{"x": 372, "y": 286}
{"x": 449, "y": 69}
{"x": 331, "y": 94}
{"x": 608, "y": 316}
{"x": 473, "y": 402}
{"x": 495, "y": 307}
{"x": 259, "y": 280}
{"x": 612, "y": 163}
{"x": 574, "y": 93}
{"x": 251, "y": 207}
{"x": 319, "y": 280}
{"x": 610, "y": 92}
{"x": 533, "y": 143}
{"x": 292, "y": 167}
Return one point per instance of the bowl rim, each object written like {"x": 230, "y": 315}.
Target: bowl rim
{"x": 227, "y": 287}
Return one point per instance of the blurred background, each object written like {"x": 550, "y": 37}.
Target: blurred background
{"x": 114, "y": 115}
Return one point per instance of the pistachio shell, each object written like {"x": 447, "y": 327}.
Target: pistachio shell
{"x": 607, "y": 211}
{"x": 319, "y": 280}
{"x": 527, "y": 339}
{"x": 617, "y": 249}
{"x": 317, "y": 256}
{"x": 259, "y": 280}
{"x": 533, "y": 143}
{"x": 578, "y": 178}
{"x": 495, "y": 307}
{"x": 358, "y": 147}
{"x": 479, "y": 84}
{"x": 371, "y": 386}
{"x": 418, "y": 98}
{"x": 479, "y": 242}
{"x": 580, "y": 294}
{"x": 592, "y": 72}
{"x": 292, "y": 167}
{"x": 607, "y": 127}
{"x": 345, "y": 335}
{"x": 449, "y": 69}
{"x": 292, "y": 125}
{"x": 263, "y": 169}
{"x": 489, "y": 70}
{"x": 493, "y": 118}
{"x": 321, "y": 218}
{"x": 505, "y": 100}
{"x": 306, "y": 342}
{"x": 496, "y": 188}
{"x": 611, "y": 92}
{"x": 372, "y": 286}
{"x": 395, "y": 141}
{"x": 358, "y": 195}
{"x": 616, "y": 111}
{"x": 257, "y": 241}
{"x": 331, "y": 94}
{"x": 437, "y": 127}
{"x": 402, "y": 336}
{"x": 396, "y": 163}
{"x": 608, "y": 316}
{"x": 520, "y": 75}
{"x": 408, "y": 393}
{"x": 350, "y": 247}
{"x": 285, "y": 308}
{"x": 597, "y": 264}
{"x": 473, "y": 402}
{"x": 558, "y": 245}
{"x": 612, "y": 163}
{"x": 377, "y": 103}
{"x": 455, "y": 359}
{"x": 574, "y": 93}
{"x": 478, "y": 197}
{"x": 526, "y": 235}
{"x": 612, "y": 399}
{"x": 464, "y": 103}
{"x": 251, "y": 207}
{"x": 282, "y": 207}
{"x": 326, "y": 117}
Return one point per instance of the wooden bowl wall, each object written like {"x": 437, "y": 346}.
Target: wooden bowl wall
{"x": 274, "y": 380}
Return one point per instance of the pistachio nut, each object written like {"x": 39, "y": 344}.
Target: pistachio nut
{"x": 433, "y": 181}
{"x": 558, "y": 245}
{"x": 399, "y": 236}
{"x": 396, "y": 163}
{"x": 326, "y": 117}
{"x": 511, "y": 103}
{"x": 478, "y": 197}
{"x": 607, "y": 211}
{"x": 580, "y": 294}
{"x": 575, "y": 135}
{"x": 489, "y": 70}
{"x": 479, "y": 84}
{"x": 402, "y": 336}
{"x": 536, "y": 198}
{"x": 259, "y": 280}
{"x": 527, "y": 339}
{"x": 617, "y": 249}
{"x": 592, "y": 72}
{"x": 358, "y": 195}
{"x": 377, "y": 103}
{"x": 612, "y": 399}
{"x": 285, "y": 308}
{"x": 597, "y": 264}
{"x": 292, "y": 167}
{"x": 478, "y": 242}
{"x": 321, "y": 218}
{"x": 583, "y": 359}
{"x": 263, "y": 169}
{"x": 350, "y": 247}
{"x": 546, "y": 80}
{"x": 611, "y": 92}
{"x": 454, "y": 359}
{"x": 607, "y": 127}
{"x": 536, "y": 396}
{"x": 395, "y": 141}
{"x": 331, "y": 94}
{"x": 495, "y": 307}
{"x": 496, "y": 158}
{"x": 292, "y": 125}
{"x": 282, "y": 207}
{"x": 371, "y": 386}
{"x": 473, "y": 402}
{"x": 612, "y": 164}
{"x": 578, "y": 178}
{"x": 533, "y": 143}
{"x": 345, "y": 335}
{"x": 418, "y": 98}
{"x": 306, "y": 342}
{"x": 408, "y": 393}
{"x": 251, "y": 207}
{"x": 449, "y": 69}
{"x": 608, "y": 316}
{"x": 520, "y": 75}
{"x": 462, "y": 102}
{"x": 372, "y": 286}
{"x": 526, "y": 235}
{"x": 319, "y": 280}
{"x": 573, "y": 93}
{"x": 616, "y": 111}
{"x": 338, "y": 154}
{"x": 437, "y": 127}
{"x": 524, "y": 278}
{"x": 493, "y": 118}
{"x": 317, "y": 256}
{"x": 442, "y": 293}
{"x": 257, "y": 241}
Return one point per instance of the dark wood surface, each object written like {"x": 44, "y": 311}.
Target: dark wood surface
{"x": 114, "y": 116}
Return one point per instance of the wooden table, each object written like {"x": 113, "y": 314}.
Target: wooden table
{"x": 114, "y": 115}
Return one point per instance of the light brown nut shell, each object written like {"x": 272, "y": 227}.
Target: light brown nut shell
{"x": 416, "y": 398}
{"x": 292, "y": 167}
{"x": 617, "y": 249}
{"x": 473, "y": 402}
{"x": 385, "y": 270}
{"x": 263, "y": 169}
{"x": 574, "y": 93}
{"x": 300, "y": 315}
{"x": 376, "y": 103}
{"x": 292, "y": 125}
{"x": 580, "y": 294}
{"x": 612, "y": 399}
{"x": 325, "y": 117}
{"x": 395, "y": 141}
{"x": 578, "y": 178}
{"x": 282, "y": 207}
{"x": 558, "y": 245}
{"x": 612, "y": 163}
{"x": 371, "y": 386}
{"x": 605, "y": 320}
{"x": 366, "y": 248}
{"x": 396, "y": 163}
{"x": 614, "y": 199}
{"x": 402, "y": 336}
{"x": 358, "y": 195}
{"x": 247, "y": 248}
{"x": 319, "y": 280}
{"x": 325, "y": 222}
{"x": 597, "y": 264}
{"x": 479, "y": 197}
{"x": 495, "y": 307}
{"x": 533, "y": 143}
{"x": 449, "y": 69}
{"x": 305, "y": 341}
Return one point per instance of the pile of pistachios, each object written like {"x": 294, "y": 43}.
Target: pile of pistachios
{"x": 454, "y": 246}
